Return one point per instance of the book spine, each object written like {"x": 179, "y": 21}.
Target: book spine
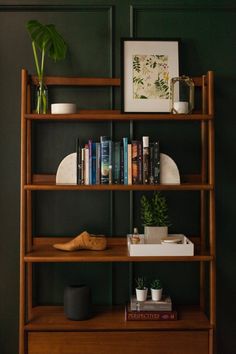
{"x": 125, "y": 145}
{"x": 145, "y": 159}
{"x": 93, "y": 163}
{"x": 129, "y": 164}
{"x": 98, "y": 163}
{"x": 90, "y": 160}
{"x": 86, "y": 164}
{"x": 151, "y": 164}
{"x": 116, "y": 163}
{"x": 151, "y": 316}
{"x": 78, "y": 163}
{"x": 104, "y": 140}
{"x": 110, "y": 161}
{"x": 135, "y": 162}
{"x": 156, "y": 162}
{"x": 149, "y": 307}
{"x": 121, "y": 164}
{"x": 140, "y": 163}
{"x": 83, "y": 166}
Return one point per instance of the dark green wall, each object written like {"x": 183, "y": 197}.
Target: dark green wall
{"x": 93, "y": 30}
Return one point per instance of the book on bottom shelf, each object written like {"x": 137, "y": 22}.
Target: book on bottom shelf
{"x": 149, "y": 315}
{"x": 165, "y": 304}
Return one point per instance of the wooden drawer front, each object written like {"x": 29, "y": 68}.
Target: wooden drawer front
{"x": 167, "y": 342}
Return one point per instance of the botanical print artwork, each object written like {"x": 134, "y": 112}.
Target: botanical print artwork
{"x": 150, "y": 77}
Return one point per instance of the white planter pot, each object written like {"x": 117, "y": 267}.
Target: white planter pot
{"x": 154, "y": 234}
{"x": 141, "y": 295}
{"x": 156, "y": 294}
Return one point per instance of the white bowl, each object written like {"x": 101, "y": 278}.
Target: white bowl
{"x": 63, "y": 108}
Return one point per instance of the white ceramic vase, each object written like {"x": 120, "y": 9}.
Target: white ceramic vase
{"x": 156, "y": 294}
{"x": 154, "y": 234}
{"x": 141, "y": 294}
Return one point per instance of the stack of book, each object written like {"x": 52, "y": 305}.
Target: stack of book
{"x": 150, "y": 310}
{"x": 120, "y": 162}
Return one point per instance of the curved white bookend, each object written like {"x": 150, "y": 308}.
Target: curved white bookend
{"x": 169, "y": 173}
{"x": 67, "y": 172}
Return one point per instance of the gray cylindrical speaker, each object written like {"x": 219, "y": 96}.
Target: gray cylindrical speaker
{"x": 77, "y": 302}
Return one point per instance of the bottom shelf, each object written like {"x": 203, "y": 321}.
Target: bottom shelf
{"x": 52, "y": 318}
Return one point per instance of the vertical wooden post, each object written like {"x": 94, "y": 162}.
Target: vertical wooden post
{"x": 203, "y": 193}
{"x": 24, "y": 79}
{"x": 211, "y": 172}
{"x": 29, "y": 238}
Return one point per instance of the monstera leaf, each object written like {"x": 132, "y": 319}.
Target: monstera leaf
{"x": 46, "y": 39}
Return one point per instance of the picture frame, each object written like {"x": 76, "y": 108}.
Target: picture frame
{"x": 147, "y": 66}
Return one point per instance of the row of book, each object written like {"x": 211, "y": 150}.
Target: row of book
{"x": 150, "y": 310}
{"x": 120, "y": 162}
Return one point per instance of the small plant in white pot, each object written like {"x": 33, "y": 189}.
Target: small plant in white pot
{"x": 141, "y": 289}
{"x": 154, "y": 214}
{"x": 156, "y": 290}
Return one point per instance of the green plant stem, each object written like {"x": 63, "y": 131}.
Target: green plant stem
{"x": 42, "y": 62}
{"x": 36, "y": 59}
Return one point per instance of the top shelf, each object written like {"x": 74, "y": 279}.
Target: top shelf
{"x": 116, "y": 115}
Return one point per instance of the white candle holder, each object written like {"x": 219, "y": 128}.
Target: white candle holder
{"x": 182, "y": 95}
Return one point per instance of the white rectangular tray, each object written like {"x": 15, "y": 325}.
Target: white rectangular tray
{"x": 186, "y": 248}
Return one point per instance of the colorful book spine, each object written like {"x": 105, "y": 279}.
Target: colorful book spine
{"x": 104, "y": 141}
{"x": 110, "y": 161}
{"x": 121, "y": 164}
{"x": 140, "y": 163}
{"x": 125, "y": 145}
{"x": 90, "y": 160}
{"x": 135, "y": 162}
{"x": 156, "y": 162}
{"x": 129, "y": 163}
{"x": 98, "y": 163}
{"x": 93, "y": 163}
{"x": 150, "y": 315}
{"x": 145, "y": 159}
{"x": 116, "y": 162}
{"x": 151, "y": 163}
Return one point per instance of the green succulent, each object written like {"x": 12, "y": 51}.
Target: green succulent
{"x": 156, "y": 284}
{"x": 154, "y": 211}
{"x": 141, "y": 283}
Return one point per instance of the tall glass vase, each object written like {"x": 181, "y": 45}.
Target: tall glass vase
{"x": 41, "y": 98}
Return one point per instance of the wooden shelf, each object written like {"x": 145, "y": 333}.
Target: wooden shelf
{"x": 117, "y": 251}
{"x": 47, "y": 182}
{"x": 119, "y": 187}
{"x": 108, "y": 115}
{"x": 52, "y": 318}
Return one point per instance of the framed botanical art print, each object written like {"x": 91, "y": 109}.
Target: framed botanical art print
{"x": 147, "y": 68}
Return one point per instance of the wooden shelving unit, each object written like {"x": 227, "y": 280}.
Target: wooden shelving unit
{"x": 44, "y": 329}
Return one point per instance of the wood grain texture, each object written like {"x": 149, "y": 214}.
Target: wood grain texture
{"x": 52, "y": 318}
{"x": 119, "y": 343}
{"x": 117, "y": 251}
{"x": 110, "y": 115}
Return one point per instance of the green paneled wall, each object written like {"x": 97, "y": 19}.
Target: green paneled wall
{"x": 93, "y": 30}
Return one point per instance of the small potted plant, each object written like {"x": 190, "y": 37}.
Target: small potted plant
{"x": 156, "y": 290}
{"x": 154, "y": 214}
{"x": 141, "y": 289}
